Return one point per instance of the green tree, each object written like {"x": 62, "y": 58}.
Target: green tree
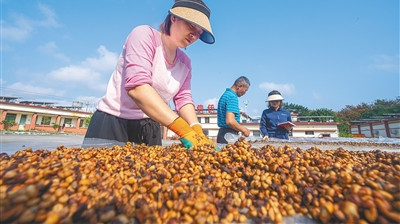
{"x": 87, "y": 120}
{"x": 352, "y": 113}
{"x": 323, "y": 115}
{"x": 382, "y": 107}
{"x": 295, "y": 108}
{"x": 364, "y": 110}
{"x": 344, "y": 130}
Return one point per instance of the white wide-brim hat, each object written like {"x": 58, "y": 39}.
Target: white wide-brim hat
{"x": 197, "y": 14}
{"x": 274, "y": 95}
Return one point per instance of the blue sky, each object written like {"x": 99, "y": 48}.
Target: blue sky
{"x": 318, "y": 54}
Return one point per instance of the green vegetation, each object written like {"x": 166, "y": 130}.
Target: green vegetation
{"x": 8, "y": 124}
{"x": 56, "y": 126}
{"x": 46, "y": 120}
{"x": 87, "y": 120}
{"x": 295, "y": 108}
{"x": 380, "y": 108}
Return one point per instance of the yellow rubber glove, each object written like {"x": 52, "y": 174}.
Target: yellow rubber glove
{"x": 197, "y": 128}
{"x": 189, "y": 137}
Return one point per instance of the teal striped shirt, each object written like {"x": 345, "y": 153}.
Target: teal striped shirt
{"x": 228, "y": 102}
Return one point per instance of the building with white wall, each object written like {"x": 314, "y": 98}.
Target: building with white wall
{"x": 41, "y": 116}
{"x": 388, "y": 127}
{"x": 208, "y": 119}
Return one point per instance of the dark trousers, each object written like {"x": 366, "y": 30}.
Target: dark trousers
{"x": 221, "y": 134}
{"x": 109, "y": 127}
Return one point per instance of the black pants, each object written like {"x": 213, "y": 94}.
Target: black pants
{"x": 221, "y": 134}
{"x": 108, "y": 127}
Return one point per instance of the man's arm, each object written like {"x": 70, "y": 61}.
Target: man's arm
{"x": 232, "y": 123}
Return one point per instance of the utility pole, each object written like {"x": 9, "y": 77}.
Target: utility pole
{"x": 245, "y": 102}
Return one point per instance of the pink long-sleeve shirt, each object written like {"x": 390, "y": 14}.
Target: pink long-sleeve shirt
{"x": 143, "y": 61}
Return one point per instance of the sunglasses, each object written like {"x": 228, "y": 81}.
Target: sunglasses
{"x": 274, "y": 101}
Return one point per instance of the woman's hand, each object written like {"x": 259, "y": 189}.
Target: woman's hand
{"x": 188, "y": 136}
{"x": 199, "y": 130}
{"x": 288, "y": 127}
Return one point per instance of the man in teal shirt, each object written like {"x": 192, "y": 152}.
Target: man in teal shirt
{"x": 228, "y": 110}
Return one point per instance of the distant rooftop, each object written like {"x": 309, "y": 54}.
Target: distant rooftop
{"x": 377, "y": 118}
{"x": 76, "y": 105}
{"x": 8, "y": 98}
{"x": 36, "y": 103}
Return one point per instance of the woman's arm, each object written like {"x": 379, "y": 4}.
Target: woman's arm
{"x": 152, "y": 105}
{"x": 188, "y": 113}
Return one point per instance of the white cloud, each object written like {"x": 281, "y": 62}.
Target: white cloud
{"x": 284, "y": 89}
{"x": 32, "y": 91}
{"x": 385, "y": 63}
{"x": 74, "y": 73}
{"x": 105, "y": 62}
{"x": 211, "y": 101}
{"x": 21, "y": 27}
{"x": 51, "y": 49}
{"x": 92, "y": 73}
{"x": 46, "y": 94}
{"x": 17, "y": 32}
{"x": 50, "y": 19}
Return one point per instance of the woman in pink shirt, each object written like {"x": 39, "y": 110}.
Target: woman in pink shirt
{"x": 151, "y": 71}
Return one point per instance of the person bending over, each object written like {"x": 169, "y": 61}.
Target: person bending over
{"x": 228, "y": 115}
{"x": 152, "y": 70}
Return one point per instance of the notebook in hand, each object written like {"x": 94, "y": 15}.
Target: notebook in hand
{"x": 286, "y": 124}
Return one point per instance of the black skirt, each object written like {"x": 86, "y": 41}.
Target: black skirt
{"x": 107, "y": 130}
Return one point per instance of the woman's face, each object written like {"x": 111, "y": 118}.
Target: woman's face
{"x": 275, "y": 104}
{"x": 184, "y": 33}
